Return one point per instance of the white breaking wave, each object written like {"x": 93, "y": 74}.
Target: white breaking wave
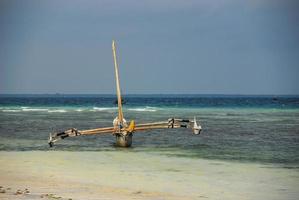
{"x": 95, "y": 109}
{"x": 11, "y": 110}
{"x": 146, "y": 109}
{"x": 104, "y": 108}
{"x": 57, "y": 111}
{"x": 34, "y": 109}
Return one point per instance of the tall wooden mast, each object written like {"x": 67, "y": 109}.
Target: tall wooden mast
{"x": 120, "y": 112}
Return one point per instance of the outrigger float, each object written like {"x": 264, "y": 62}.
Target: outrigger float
{"x": 120, "y": 129}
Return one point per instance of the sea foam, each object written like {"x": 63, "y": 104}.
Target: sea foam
{"x": 57, "y": 111}
{"x": 10, "y": 110}
{"x": 104, "y": 108}
{"x": 146, "y": 109}
{"x": 34, "y": 109}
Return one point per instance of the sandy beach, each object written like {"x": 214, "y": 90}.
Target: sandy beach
{"x": 137, "y": 175}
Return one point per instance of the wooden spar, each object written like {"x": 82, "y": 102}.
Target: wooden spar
{"x": 97, "y": 130}
{"x": 144, "y": 128}
{"x": 119, "y": 103}
{"x": 139, "y": 127}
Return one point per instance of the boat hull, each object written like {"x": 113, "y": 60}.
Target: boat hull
{"x": 123, "y": 140}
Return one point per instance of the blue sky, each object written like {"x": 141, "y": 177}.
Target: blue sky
{"x": 170, "y": 46}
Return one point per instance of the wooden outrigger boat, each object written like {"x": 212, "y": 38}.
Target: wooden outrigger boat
{"x": 124, "y": 132}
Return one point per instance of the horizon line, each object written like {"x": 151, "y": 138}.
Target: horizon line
{"x": 180, "y": 94}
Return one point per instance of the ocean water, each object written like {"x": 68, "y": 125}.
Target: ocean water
{"x": 261, "y": 129}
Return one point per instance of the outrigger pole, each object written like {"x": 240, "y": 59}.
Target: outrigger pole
{"x": 120, "y": 129}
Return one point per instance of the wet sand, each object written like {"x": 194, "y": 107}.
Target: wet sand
{"x": 139, "y": 175}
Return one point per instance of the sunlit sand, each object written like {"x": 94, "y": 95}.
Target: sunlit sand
{"x": 137, "y": 175}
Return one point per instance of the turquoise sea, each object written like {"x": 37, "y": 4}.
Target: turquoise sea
{"x": 261, "y": 129}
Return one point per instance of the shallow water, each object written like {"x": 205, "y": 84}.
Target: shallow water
{"x": 241, "y": 128}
